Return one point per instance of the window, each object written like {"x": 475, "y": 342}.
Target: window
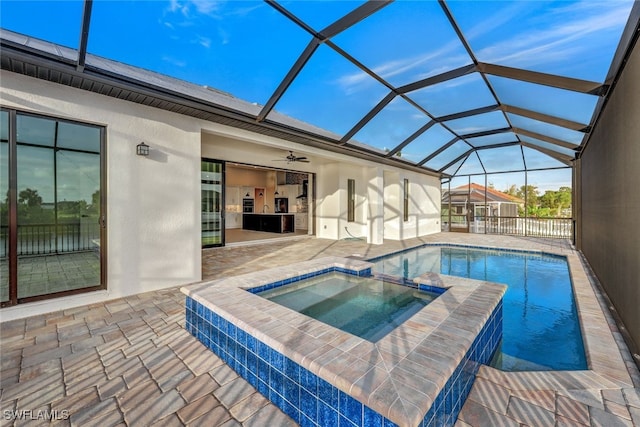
{"x": 406, "y": 200}
{"x": 351, "y": 200}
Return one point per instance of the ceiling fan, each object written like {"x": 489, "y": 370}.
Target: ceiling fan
{"x": 293, "y": 158}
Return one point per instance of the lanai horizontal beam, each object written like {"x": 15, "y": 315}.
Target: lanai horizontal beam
{"x": 569, "y": 124}
{"x": 560, "y": 82}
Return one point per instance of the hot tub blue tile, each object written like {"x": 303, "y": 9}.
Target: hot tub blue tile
{"x": 306, "y": 421}
{"x": 252, "y": 344}
{"x": 276, "y": 380}
{"x": 263, "y": 370}
{"x": 252, "y": 362}
{"x": 428, "y": 420}
{"x": 389, "y": 423}
{"x": 308, "y": 404}
{"x": 291, "y": 410}
{"x": 277, "y": 360}
{"x": 372, "y": 418}
{"x": 327, "y": 416}
{"x": 328, "y": 393}
{"x": 276, "y": 398}
{"x": 241, "y": 337}
{"x": 292, "y": 369}
{"x": 291, "y": 391}
{"x": 350, "y": 408}
{"x": 263, "y": 388}
{"x": 309, "y": 381}
{"x": 231, "y": 330}
{"x": 252, "y": 378}
{"x": 344, "y": 422}
{"x": 264, "y": 352}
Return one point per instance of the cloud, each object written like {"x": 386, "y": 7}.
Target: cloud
{"x": 564, "y": 27}
{"x": 206, "y": 7}
{"x": 202, "y": 41}
{"x": 191, "y": 9}
{"x": 503, "y": 16}
{"x": 223, "y": 35}
{"x": 429, "y": 63}
{"x": 174, "y": 61}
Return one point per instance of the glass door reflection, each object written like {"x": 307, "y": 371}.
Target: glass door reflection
{"x": 212, "y": 185}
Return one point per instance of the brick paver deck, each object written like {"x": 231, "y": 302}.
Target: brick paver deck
{"x": 130, "y": 361}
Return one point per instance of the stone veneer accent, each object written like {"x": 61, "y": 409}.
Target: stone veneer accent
{"x": 419, "y": 374}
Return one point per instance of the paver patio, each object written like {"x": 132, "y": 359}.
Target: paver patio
{"x": 130, "y": 361}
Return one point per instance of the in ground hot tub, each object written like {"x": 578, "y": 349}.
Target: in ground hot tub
{"x": 419, "y": 373}
{"x": 367, "y": 307}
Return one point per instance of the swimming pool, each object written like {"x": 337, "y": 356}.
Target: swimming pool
{"x": 541, "y": 326}
{"x": 366, "y": 307}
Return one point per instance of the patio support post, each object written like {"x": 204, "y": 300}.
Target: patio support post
{"x": 449, "y": 190}
{"x": 375, "y": 195}
{"x": 526, "y": 203}
{"x": 469, "y": 217}
{"x": 486, "y": 208}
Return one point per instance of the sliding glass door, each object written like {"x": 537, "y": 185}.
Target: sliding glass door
{"x": 52, "y": 217}
{"x": 212, "y": 201}
{"x": 4, "y": 207}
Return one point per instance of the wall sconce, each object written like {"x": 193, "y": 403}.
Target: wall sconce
{"x": 276, "y": 193}
{"x": 260, "y": 194}
{"x": 142, "y": 149}
{"x": 247, "y": 195}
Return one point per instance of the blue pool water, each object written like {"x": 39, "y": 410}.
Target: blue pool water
{"x": 366, "y": 307}
{"x": 541, "y": 326}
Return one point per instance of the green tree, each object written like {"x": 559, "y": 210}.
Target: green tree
{"x": 530, "y": 194}
{"x": 512, "y": 190}
{"x": 94, "y": 207}
{"x": 30, "y": 198}
{"x": 556, "y": 201}
{"x": 30, "y": 210}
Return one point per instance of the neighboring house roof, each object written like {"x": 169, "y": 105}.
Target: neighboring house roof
{"x": 477, "y": 193}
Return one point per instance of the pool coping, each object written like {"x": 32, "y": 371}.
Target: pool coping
{"x": 388, "y": 376}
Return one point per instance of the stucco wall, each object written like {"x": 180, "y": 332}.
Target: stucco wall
{"x": 153, "y": 217}
{"x": 609, "y": 180}
{"x": 153, "y": 210}
{"x": 332, "y": 172}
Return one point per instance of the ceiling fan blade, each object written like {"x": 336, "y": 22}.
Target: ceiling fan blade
{"x": 303, "y": 161}
{"x": 301, "y": 158}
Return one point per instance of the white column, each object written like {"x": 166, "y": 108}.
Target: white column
{"x": 375, "y": 210}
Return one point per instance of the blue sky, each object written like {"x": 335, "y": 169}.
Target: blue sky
{"x": 246, "y": 47}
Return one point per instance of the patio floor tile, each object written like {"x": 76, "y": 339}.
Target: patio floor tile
{"x": 130, "y": 361}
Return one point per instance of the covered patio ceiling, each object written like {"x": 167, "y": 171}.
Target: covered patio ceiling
{"x": 455, "y": 88}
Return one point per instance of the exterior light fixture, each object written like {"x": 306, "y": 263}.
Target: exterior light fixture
{"x": 260, "y": 194}
{"x": 247, "y": 195}
{"x": 142, "y": 149}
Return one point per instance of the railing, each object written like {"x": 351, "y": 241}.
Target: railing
{"x": 44, "y": 239}
{"x": 516, "y": 226}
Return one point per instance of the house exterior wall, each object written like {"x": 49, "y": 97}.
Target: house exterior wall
{"x": 608, "y": 177}
{"x": 153, "y": 203}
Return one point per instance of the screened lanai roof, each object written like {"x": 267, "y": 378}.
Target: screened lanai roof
{"x": 459, "y": 87}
